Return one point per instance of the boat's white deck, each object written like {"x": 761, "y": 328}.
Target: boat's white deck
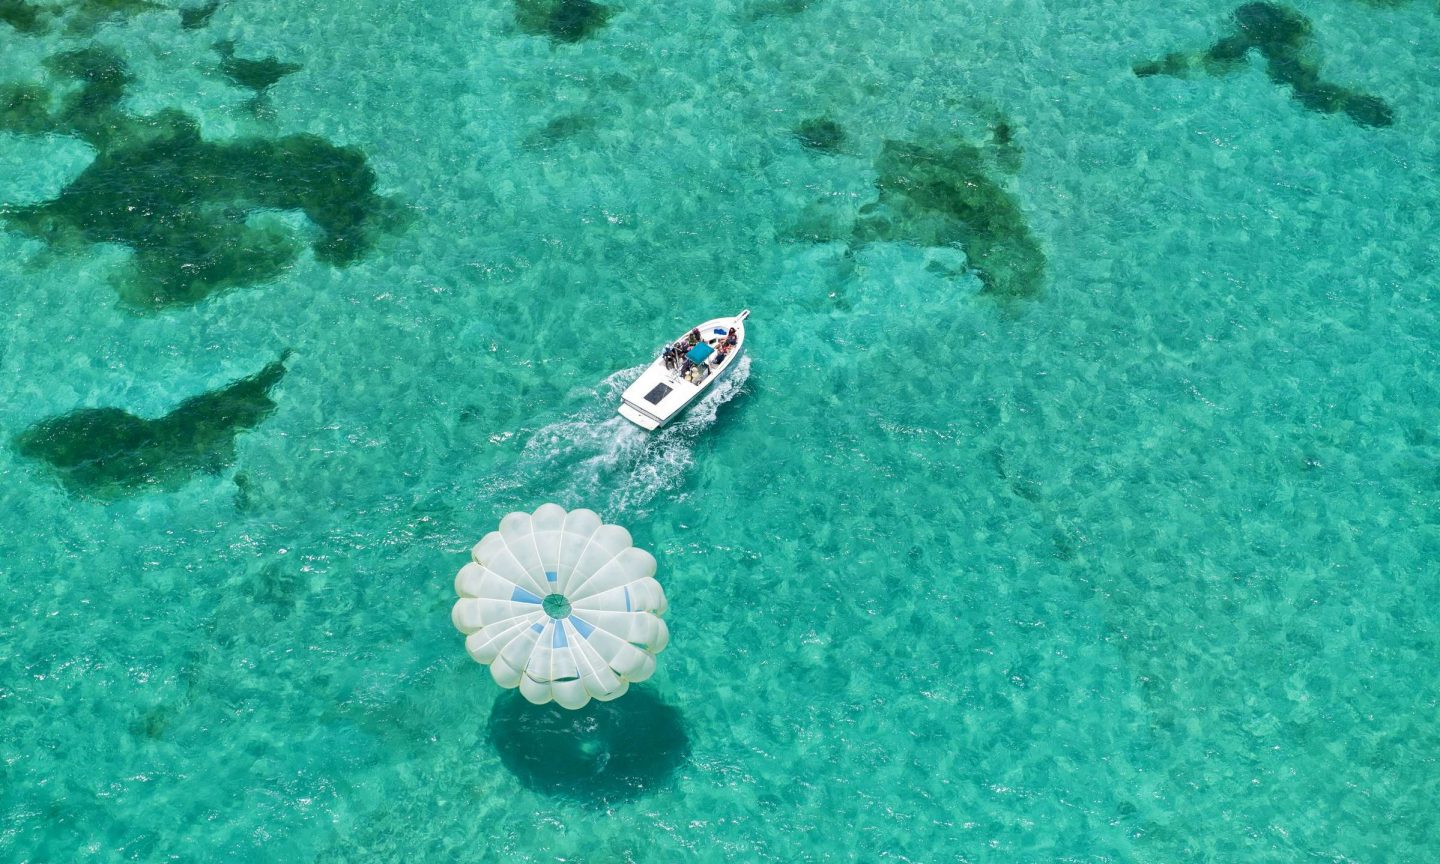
{"x": 660, "y": 393}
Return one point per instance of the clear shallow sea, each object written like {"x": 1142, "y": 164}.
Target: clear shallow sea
{"x": 1138, "y": 569}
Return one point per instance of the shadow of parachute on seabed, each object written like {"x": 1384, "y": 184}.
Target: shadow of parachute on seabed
{"x": 600, "y": 754}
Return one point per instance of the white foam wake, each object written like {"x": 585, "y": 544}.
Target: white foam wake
{"x": 596, "y": 455}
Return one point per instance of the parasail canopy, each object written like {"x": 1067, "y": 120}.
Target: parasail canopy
{"x": 562, "y": 606}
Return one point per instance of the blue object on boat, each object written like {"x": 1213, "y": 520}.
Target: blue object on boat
{"x": 720, "y": 331}
{"x": 700, "y": 352}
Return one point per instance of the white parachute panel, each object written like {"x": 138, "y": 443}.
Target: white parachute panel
{"x": 600, "y": 630}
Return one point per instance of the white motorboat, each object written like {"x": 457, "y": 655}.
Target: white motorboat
{"x": 685, "y": 369}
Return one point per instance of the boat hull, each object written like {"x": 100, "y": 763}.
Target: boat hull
{"x": 660, "y": 395}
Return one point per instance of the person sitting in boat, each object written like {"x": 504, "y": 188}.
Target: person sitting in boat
{"x": 668, "y": 355}
{"x": 693, "y": 338}
{"x": 685, "y": 367}
{"x": 731, "y": 339}
{"x": 720, "y": 354}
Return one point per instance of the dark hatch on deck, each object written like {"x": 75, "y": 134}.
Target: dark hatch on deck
{"x": 660, "y": 392}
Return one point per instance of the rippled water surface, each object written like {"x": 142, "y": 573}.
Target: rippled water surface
{"x": 1080, "y": 500}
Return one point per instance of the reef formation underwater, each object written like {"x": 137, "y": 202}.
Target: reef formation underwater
{"x": 938, "y": 194}
{"x": 561, "y": 20}
{"x": 192, "y": 211}
{"x": 257, "y": 76}
{"x": 1282, "y": 37}
{"x": 198, "y": 217}
{"x": 75, "y": 16}
{"x": 108, "y": 452}
{"x": 943, "y": 196}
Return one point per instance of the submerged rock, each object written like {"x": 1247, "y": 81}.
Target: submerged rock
{"x": 1282, "y": 36}
{"x": 109, "y": 452}
{"x": 561, "y": 20}
{"x": 192, "y": 211}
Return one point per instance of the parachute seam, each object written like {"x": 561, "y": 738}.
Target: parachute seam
{"x": 560, "y": 554}
{"x": 539, "y": 557}
{"x": 596, "y": 572}
{"x": 588, "y": 542}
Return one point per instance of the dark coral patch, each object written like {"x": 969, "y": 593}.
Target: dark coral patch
{"x": 945, "y": 197}
{"x": 1175, "y": 64}
{"x": 561, "y": 20}
{"x": 562, "y": 128}
{"x": 113, "y": 7}
{"x": 1282, "y": 36}
{"x": 25, "y": 108}
{"x": 22, "y": 16}
{"x": 196, "y": 17}
{"x": 1274, "y": 31}
{"x": 761, "y": 9}
{"x": 821, "y": 133}
{"x": 87, "y": 111}
{"x": 184, "y": 206}
{"x": 257, "y": 75}
{"x": 1009, "y": 155}
{"x": 81, "y": 16}
{"x": 109, "y": 452}
{"x": 600, "y": 754}
{"x": 193, "y": 212}
{"x": 126, "y": 7}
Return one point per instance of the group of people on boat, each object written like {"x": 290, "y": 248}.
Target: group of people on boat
{"x": 676, "y": 356}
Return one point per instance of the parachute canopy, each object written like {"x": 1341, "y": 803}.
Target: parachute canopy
{"x": 562, "y": 606}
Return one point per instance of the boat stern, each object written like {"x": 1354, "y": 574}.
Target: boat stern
{"x": 639, "y": 418}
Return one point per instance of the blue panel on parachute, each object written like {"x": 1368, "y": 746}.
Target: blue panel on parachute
{"x": 520, "y": 595}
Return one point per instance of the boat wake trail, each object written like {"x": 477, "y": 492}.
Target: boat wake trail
{"x": 596, "y": 456}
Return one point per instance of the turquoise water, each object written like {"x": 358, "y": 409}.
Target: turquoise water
{"x": 1127, "y": 561}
